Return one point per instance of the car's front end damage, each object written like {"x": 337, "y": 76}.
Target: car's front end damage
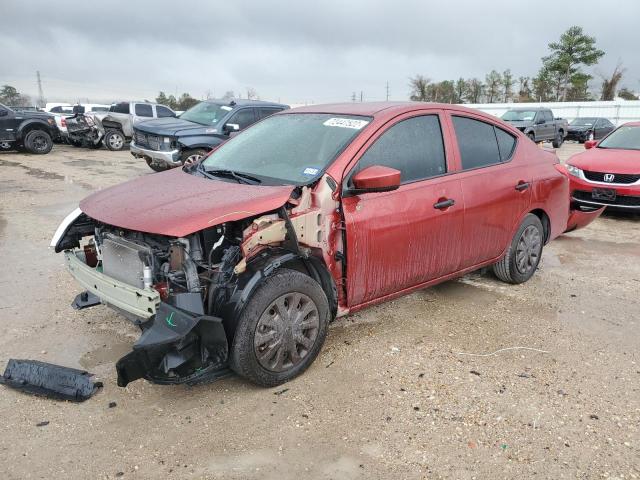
{"x": 185, "y": 292}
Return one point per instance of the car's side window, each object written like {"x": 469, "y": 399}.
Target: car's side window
{"x": 264, "y": 112}
{"x": 506, "y": 144}
{"x": 243, "y": 118}
{"x": 120, "y": 108}
{"x": 477, "y": 143}
{"x": 144, "y": 110}
{"x": 164, "y": 112}
{"x": 413, "y": 146}
{"x": 548, "y": 117}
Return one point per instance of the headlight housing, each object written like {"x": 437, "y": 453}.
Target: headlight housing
{"x": 575, "y": 171}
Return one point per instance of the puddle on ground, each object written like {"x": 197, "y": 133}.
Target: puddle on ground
{"x": 599, "y": 246}
{"x": 88, "y": 163}
{"x": 44, "y": 175}
{"x": 107, "y": 353}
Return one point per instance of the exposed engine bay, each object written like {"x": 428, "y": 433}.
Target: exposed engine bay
{"x": 185, "y": 293}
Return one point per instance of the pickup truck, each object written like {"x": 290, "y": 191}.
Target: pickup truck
{"x": 538, "y": 124}
{"x": 170, "y": 142}
{"x": 26, "y": 130}
{"x": 113, "y": 128}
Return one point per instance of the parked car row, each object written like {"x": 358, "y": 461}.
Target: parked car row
{"x": 29, "y": 130}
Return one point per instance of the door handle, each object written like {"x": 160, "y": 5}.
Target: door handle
{"x": 522, "y": 186}
{"x": 443, "y": 204}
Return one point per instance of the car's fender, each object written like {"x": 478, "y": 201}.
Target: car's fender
{"x": 200, "y": 141}
{"x": 30, "y": 122}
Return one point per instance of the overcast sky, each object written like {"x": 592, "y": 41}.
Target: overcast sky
{"x": 294, "y": 51}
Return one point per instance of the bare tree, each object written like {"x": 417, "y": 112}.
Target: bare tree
{"x": 251, "y": 93}
{"x": 493, "y": 83}
{"x": 476, "y": 90}
{"x": 419, "y": 88}
{"x": 507, "y": 85}
{"x": 228, "y": 95}
{"x": 610, "y": 85}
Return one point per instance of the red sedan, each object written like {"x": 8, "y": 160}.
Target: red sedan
{"x": 608, "y": 173}
{"x": 242, "y": 261}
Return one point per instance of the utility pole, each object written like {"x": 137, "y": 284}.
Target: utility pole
{"x": 361, "y": 95}
{"x": 40, "y": 93}
{"x": 353, "y": 97}
{"x": 387, "y": 90}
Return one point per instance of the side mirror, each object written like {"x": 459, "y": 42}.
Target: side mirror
{"x": 590, "y": 144}
{"x": 230, "y": 127}
{"x": 376, "y": 179}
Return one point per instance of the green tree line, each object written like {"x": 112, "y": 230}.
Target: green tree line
{"x": 560, "y": 78}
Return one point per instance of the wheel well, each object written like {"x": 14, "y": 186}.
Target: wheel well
{"x": 34, "y": 126}
{"x": 546, "y": 223}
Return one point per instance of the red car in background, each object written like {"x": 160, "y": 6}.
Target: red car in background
{"x": 242, "y": 260}
{"x": 608, "y": 173}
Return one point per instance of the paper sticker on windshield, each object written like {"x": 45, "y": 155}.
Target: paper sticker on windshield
{"x": 310, "y": 171}
{"x": 224, "y": 107}
{"x": 345, "y": 123}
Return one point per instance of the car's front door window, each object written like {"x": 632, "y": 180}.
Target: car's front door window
{"x": 413, "y": 146}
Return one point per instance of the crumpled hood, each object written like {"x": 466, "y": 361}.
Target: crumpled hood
{"x": 174, "y": 126}
{"x": 175, "y": 203}
{"x": 607, "y": 161}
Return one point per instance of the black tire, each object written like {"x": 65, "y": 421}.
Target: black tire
{"x": 192, "y": 156}
{"x": 265, "y": 303}
{"x": 532, "y": 136}
{"x": 75, "y": 143}
{"x": 155, "y": 167}
{"x": 38, "y": 142}
{"x": 510, "y": 268}
{"x": 557, "y": 142}
{"x": 114, "y": 140}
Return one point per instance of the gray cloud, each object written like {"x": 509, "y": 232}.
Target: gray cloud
{"x": 291, "y": 51}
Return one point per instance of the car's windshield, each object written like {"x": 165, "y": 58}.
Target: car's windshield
{"x": 583, "y": 122}
{"x": 206, "y": 113}
{"x": 288, "y": 149}
{"x": 625, "y": 138}
{"x": 519, "y": 115}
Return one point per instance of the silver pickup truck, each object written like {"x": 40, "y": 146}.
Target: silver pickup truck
{"x": 538, "y": 124}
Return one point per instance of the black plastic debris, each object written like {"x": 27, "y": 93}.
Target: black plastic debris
{"x": 49, "y": 380}
{"x": 85, "y": 300}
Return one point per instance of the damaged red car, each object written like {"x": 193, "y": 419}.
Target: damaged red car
{"x": 239, "y": 263}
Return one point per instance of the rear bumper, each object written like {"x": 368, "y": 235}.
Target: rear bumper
{"x": 136, "y": 301}
{"x": 166, "y": 159}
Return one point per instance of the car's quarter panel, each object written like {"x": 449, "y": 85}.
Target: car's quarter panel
{"x": 494, "y": 202}
{"x": 398, "y": 239}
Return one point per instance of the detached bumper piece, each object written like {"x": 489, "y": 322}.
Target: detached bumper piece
{"x": 178, "y": 347}
{"x": 49, "y": 380}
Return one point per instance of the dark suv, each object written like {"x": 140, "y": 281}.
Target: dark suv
{"x": 170, "y": 142}
{"x": 28, "y": 130}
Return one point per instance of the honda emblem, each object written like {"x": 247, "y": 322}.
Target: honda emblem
{"x": 609, "y": 177}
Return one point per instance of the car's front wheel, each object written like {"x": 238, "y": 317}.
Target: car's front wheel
{"x": 38, "y": 142}
{"x": 193, "y": 156}
{"x": 281, "y": 330}
{"x": 523, "y": 255}
{"x": 114, "y": 140}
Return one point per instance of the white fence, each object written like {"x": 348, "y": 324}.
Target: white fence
{"x": 618, "y": 111}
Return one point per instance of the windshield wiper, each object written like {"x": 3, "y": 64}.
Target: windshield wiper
{"x": 238, "y": 176}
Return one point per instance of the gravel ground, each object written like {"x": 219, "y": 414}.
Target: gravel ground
{"x": 391, "y": 395}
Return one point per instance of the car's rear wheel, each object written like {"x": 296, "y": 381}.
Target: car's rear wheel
{"x": 114, "y": 140}
{"x": 193, "y": 156}
{"x": 523, "y": 255}
{"x": 38, "y": 142}
{"x": 155, "y": 167}
{"x": 281, "y": 330}
{"x": 557, "y": 142}
{"x": 532, "y": 136}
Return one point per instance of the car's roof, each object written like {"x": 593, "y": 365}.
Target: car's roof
{"x": 631, "y": 124}
{"x": 373, "y": 109}
{"x": 244, "y": 102}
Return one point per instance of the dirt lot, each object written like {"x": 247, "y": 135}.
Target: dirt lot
{"x": 390, "y": 396}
